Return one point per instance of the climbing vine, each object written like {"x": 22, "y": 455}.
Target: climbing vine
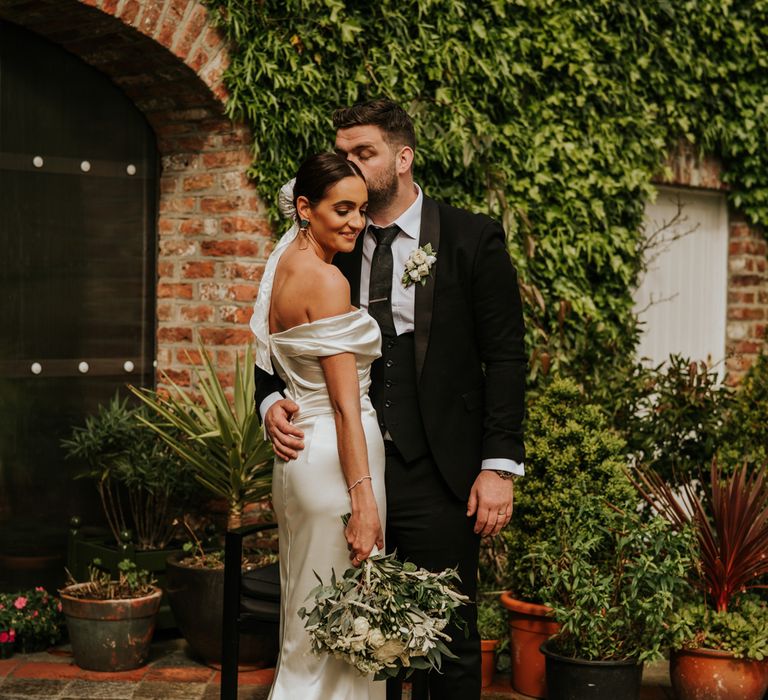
{"x": 551, "y": 115}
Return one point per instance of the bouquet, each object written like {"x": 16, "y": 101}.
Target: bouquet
{"x": 385, "y": 616}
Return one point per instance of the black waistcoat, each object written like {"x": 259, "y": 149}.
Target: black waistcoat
{"x": 394, "y": 396}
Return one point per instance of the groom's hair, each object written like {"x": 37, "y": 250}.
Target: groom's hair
{"x": 389, "y": 116}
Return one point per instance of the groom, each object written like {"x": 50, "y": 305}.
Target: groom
{"x": 448, "y": 389}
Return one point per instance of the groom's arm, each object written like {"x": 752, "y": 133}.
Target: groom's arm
{"x": 265, "y": 385}
{"x": 500, "y": 331}
{"x": 497, "y": 310}
{"x": 275, "y": 412}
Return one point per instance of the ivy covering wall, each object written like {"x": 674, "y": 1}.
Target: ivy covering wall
{"x": 550, "y": 115}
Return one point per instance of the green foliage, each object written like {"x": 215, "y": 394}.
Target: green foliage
{"x": 745, "y": 431}
{"x": 671, "y": 416}
{"x": 613, "y": 580}
{"x": 552, "y": 116}
{"x": 743, "y": 631}
{"x": 491, "y": 621}
{"x": 131, "y": 582}
{"x": 221, "y": 441}
{"x": 135, "y": 472}
{"x": 571, "y": 452}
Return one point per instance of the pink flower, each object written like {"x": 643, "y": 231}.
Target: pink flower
{"x": 39, "y": 588}
{"x": 12, "y": 635}
{"x": 59, "y": 606}
{"x": 5, "y": 637}
{"x": 35, "y": 614}
{"x": 20, "y": 602}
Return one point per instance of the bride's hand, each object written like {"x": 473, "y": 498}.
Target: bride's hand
{"x": 363, "y": 531}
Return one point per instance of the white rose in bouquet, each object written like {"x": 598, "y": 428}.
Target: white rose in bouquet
{"x": 376, "y": 638}
{"x": 361, "y": 626}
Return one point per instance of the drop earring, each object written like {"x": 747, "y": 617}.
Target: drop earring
{"x": 303, "y": 226}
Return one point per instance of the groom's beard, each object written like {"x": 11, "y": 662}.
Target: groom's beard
{"x": 382, "y": 191}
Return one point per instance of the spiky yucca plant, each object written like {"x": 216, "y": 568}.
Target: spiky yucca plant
{"x": 223, "y": 442}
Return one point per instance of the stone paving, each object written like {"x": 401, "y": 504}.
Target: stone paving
{"x": 171, "y": 674}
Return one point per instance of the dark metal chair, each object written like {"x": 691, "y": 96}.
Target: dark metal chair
{"x": 251, "y": 603}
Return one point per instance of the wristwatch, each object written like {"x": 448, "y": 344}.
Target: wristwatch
{"x": 503, "y": 474}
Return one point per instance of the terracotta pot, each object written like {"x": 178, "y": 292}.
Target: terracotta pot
{"x": 706, "y": 674}
{"x": 529, "y": 627}
{"x": 488, "y": 660}
{"x": 110, "y": 635}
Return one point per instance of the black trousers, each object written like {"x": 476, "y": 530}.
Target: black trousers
{"x": 428, "y": 526}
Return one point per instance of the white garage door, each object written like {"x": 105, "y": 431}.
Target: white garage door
{"x": 682, "y": 298}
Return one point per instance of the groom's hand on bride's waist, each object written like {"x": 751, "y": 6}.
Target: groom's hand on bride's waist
{"x": 287, "y": 439}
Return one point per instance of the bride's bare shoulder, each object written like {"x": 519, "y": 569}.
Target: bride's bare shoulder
{"x": 329, "y": 292}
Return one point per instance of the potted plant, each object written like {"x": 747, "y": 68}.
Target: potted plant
{"x": 492, "y": 628}
{"x": 612, "y": 579}
{"x": 571, "y": 451}
{"x": 7, "y": 631}
{"x": 721, "y": 640}
{"x": 223, "y": 444}
{"x": 111, "y": 622}
{"x": 144, "y": 487}
{"x": 31, "y": 620}
{"x": 141, "y": 482}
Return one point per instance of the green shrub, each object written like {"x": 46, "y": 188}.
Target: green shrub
{"x": 671, "y": 416}
{"x": 745, "y": 431}
{"x": 571, "y": 451}
{"x": 612, "y": 581}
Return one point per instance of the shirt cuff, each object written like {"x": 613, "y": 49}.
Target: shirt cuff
{"x": 265, "y": 405}
{"x": 505, "y": 465}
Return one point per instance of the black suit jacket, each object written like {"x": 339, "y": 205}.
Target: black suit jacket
{"x": 470, "y": 355}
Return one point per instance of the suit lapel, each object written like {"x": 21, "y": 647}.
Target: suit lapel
{"x": 349, "y": 264}
{"x": 425, "y": 294}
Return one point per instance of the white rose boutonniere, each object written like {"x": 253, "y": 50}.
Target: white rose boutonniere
{"x": 419, "y": 265}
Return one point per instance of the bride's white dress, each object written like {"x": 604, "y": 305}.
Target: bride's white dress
{"x": 310, "y": 496}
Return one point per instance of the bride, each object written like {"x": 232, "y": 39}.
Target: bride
{"x": 322, "y": 348}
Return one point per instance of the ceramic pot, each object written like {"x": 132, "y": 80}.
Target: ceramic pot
{"x": 579, "y": 679}
{"x": 110, "y": 635}
{"x": 706, "y": 674}
{"x": 197, "y": 599}
{"x": 488, "y": 660}
{"x": 529, "y": 627}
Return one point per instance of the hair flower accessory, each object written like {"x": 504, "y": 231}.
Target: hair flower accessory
{"x": 419, "y": 265}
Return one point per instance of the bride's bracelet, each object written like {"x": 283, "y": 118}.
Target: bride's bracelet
{"x": 358, "y": 482}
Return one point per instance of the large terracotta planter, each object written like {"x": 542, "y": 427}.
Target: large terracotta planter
{"x": 706, "y": 674}
{"x": 529, "y": 627}
{"x": 110, "y": 635}
{"x": 487, "y": 660}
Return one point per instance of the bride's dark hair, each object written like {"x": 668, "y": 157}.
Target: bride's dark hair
{"x": 318, "y": 173}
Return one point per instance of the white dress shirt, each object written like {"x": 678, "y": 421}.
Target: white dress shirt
{"x": 403, "y": 298}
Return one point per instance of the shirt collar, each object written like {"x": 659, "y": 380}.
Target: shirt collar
{"x": 410, "y": 220}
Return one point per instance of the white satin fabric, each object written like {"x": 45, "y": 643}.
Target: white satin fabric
{"x": 310, "y": 496}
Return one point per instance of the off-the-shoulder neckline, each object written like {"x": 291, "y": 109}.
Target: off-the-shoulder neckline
{"x": 317, "y": 320}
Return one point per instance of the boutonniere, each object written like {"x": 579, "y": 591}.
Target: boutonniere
{"x": 419, "y": 265}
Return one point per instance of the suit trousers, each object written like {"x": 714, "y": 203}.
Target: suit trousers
{"x": 428, "y": 526}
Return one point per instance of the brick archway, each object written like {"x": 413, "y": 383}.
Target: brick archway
{"x": 213, "y": 237}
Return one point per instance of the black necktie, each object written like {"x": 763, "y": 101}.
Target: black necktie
{"x": 380, "y": 288}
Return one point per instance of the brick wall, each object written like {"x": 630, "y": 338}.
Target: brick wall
{"x": 213, "y": 237}
{"x": 747, "y": 251}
